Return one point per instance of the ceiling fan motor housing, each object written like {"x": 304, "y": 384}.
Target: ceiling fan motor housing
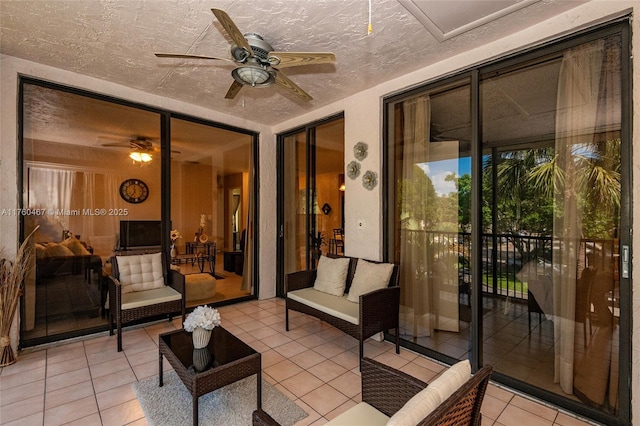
{"x": 260, "y": 48}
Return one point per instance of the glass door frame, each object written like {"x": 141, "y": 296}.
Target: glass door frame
{"x": 620, "y": 26}
{"x": 310, "y": 135}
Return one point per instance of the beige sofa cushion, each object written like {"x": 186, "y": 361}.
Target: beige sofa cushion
{"x": 369, "y": 277}
{"x": 337, "y": 306}
{"x": 75, "y": 246}
{"x": 427, "y": 400}
{"x": 140, "y": 272}
{"x": 331, "y": 275}
{"x": 360, "y": 415}
{"x": 57, "y": 250}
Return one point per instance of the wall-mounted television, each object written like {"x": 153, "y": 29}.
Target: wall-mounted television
{"x": 140, "y": 234}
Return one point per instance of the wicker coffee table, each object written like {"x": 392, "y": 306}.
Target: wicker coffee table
{"x": 225, "y": 360}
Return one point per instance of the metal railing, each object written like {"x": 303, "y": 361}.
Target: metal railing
{"x": 507, "y": 259}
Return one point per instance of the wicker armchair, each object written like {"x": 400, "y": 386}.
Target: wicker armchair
{"x": 150, "y": 289}
{"x": 387, "y": 390}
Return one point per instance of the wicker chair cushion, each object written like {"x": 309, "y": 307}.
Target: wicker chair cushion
{"x": 331, "y": 275}
{"x": 361, "y": 414}
{"x": 140, "y": 272}
{"x": 369, "y": 277}
{"x": 138, "y": 299}
{"x": 336, "y": 306}
{"x": 427, "y": 400}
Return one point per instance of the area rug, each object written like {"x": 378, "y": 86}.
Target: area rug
{"x": 231, "y": 405}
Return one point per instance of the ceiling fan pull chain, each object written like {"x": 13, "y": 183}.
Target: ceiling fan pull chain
{"x": 370, "y": 26}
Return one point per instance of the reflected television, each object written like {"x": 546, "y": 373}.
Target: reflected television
{"x": 139, "y": 234}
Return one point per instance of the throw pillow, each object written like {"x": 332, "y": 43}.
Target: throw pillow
{"x": 449, "y": 381}
{"x": 428, "y": 399}
{"x": 368, "y": 277}
{"x": 416, "y": 409}
{"x": 57, "y": 250}
{"x": 75, "y": 246}
{"x": 331, "y": 275}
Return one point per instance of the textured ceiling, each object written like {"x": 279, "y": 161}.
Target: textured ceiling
{"x": 115, "y": 40}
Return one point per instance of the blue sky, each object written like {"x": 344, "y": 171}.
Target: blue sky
{"x": 438, "y": 171}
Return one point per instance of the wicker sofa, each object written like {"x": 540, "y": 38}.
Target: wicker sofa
{"x": 391, "y": 397}
{"x": 142, "y": 286}
{"x": 373, "y": 312}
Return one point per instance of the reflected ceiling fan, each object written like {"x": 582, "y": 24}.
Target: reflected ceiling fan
{"x": 141, "y": 148}
{"x": 258, "y": 61}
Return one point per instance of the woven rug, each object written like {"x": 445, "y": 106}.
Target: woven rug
{"x": 231, "y": 405}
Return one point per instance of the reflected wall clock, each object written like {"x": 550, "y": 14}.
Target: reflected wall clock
{"x": 134, "y": 191}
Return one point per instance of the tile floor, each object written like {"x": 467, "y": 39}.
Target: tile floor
{"x": 87, "y": 382}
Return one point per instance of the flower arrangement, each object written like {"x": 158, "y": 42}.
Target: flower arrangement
{"x": 175, "y": 235}
{"x": 204, "y": 317}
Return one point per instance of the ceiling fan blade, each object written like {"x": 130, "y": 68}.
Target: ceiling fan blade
{"x": 294, "y": 59}
{"x": 285, "y": 82}
{"x": 177, "y": 55}
{"x": 231, "y": 29}
{"x": 116, "y": 145}
{"x": 233, "y": 90}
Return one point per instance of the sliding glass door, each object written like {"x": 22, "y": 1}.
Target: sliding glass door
{"x": 311, "y": 197}
{"x": 538, "y": 190}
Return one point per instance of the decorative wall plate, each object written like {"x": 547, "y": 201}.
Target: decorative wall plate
{"x": 353, "y": 169}
{"x": 360, "y": 151}
{"x": 370, "y": 180}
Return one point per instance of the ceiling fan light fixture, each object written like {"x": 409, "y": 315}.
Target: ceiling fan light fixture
{"x": 253, "y": 75}
{"x": 140, "y": 157}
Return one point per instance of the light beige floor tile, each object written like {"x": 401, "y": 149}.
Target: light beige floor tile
{"x": 324, "y": 399}
{"x": 109, "y": 367}
{"x": 12, "y": 380}
{"x": 492, "y": 407}
{"x": 68, "y": 394}
{"x": 67, "y": 379}
{"x": 18, "y": 393}
{"x": 533, "y": 407}
{"x": 283, "y": 370}
{"x": 114, "y": 380}
{"x": 512, "y": 415}
{"x": 347, "y": 359}
{"x": 341, "y": 409}
{"x": 276, "y": 340}
{"x": 65, "y": 367}
{"x": 35, "y": 419}
{"x": 329, "y": 350}
{"x": 71, "y": 411}
{"x": 115, "y": 396}
{"x": 290, "y": 349}
{"x": 91, "y": 420}
{"x": 122, "y": 414}
{"x": 302, "y": 383}
{"x": 308, "y": 359}
{"x": 270, "y": 358}
{"x": 327, "y": 370}
{"x": 22, "y": 408}
{"x": 143, "y": 357}
{"x": 347, "y": 383}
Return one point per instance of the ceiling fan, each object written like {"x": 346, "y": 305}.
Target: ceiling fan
{"x": 141, "y": 148}
{"x": 258, "y": 61}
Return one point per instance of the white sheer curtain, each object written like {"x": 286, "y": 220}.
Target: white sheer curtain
{"x": 112, "y": 200}
{"x": 415, "y": 316}
{"x": 247, "y": 267}
{"x": 89, "y": 202}
{"x": 52, "y": 189}
{"x": 577, "y": 100}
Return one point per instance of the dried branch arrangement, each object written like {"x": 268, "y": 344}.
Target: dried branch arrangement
{"x": 12, "y": 275}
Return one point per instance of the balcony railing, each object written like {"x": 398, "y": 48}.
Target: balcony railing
{"x": 507, "y": 259}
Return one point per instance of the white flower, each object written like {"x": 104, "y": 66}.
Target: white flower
{"x": 204, "y": 317}
{"x": 175, "y": 234}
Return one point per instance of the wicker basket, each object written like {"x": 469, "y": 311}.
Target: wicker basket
{"x": 201, "y": 337}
